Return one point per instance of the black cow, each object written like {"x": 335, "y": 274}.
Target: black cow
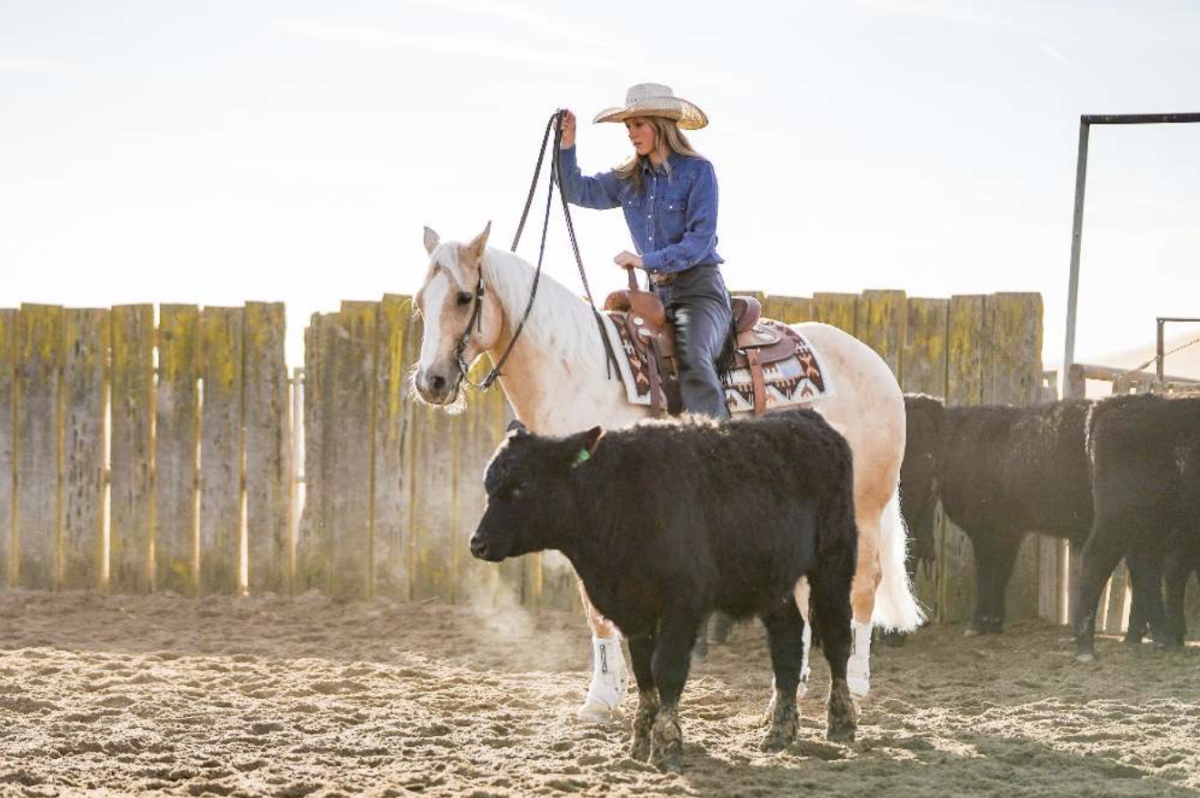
{"x": 1000, "y": 472}
{"x": 666, "y": 521}
{"x": 1145, "y": 460}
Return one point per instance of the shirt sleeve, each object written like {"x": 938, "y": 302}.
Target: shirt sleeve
{"x": 699, "y": 229}
{"x": 599, "y": 191}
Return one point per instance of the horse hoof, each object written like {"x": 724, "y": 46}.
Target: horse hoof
{"x": 596, "y": 713}
{"x": 1085, "y": 657}
{"x": 640, "y": 750}
{"x": 971, "y": 631}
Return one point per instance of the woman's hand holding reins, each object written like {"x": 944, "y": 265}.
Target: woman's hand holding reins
{"x": 568, "y": 131}
{"x": 626, "y": 260}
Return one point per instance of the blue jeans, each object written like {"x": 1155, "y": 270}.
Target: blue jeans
{"x": 697, "y": 303}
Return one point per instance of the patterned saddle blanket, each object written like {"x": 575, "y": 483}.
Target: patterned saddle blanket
{"x": 775, "y": 367}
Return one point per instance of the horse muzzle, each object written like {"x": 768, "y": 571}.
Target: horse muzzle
{"x": 435, "y": 387}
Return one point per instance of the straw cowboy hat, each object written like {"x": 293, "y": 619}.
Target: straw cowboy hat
{"x": 655, "y": 99}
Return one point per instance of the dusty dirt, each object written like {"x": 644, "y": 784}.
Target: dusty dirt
{"x": 249, "y": 697}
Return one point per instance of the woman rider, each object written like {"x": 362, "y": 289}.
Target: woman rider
{"x": 669, "y": 195}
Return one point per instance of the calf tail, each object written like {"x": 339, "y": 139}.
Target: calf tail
{"x": 895, "y": 606}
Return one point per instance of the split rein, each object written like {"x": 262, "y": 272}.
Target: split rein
{"x": 475, "y": 323}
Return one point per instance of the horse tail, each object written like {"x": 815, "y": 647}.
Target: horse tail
{"x": 895, "y": 606}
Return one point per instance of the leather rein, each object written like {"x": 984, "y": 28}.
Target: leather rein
{"x": 476, "y": 319}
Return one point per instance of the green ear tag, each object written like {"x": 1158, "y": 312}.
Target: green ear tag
{"x": 583, "y": 456}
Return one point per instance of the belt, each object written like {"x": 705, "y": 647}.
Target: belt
{"x": 666, "y": 278}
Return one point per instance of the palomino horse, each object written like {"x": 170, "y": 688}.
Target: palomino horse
{"x": 556, "y": 379}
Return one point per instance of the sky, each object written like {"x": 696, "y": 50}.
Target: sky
{"x": 219, "y": 152}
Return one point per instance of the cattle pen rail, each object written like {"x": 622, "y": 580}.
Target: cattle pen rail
{"x": 167, "y": 448}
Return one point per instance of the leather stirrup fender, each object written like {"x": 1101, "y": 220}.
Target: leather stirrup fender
{"x": 760, "y": 388}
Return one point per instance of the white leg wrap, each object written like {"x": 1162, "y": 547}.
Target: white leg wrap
{"x": 805, "y": 670}
{"x": 609, "y": 681}
{"x": 858, "y": 669}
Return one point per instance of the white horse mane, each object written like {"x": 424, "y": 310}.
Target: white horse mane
{"x": 560, "y": 319}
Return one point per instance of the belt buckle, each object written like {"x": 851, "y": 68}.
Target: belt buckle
{"x": 662, "y": 279}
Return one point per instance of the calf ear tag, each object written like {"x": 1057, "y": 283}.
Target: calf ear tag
{"x": 581, "y": 458}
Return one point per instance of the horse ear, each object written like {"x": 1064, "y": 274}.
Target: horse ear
{"x": 516, "y": 426}
{"x": 432, "y": 239}
{"x": 473, "y": 254}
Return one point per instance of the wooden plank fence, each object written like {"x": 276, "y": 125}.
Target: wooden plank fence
{"x": 141, "y": 453}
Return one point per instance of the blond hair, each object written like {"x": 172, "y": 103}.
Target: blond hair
{"x": 668, "y": 138}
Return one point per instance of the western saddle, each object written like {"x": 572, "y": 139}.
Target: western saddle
{"x": 759, "y": 342}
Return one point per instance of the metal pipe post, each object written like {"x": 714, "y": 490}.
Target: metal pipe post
{"x": 1076, "y": 240}
{"x": 1158, "y": 353}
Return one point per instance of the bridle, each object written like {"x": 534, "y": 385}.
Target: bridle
{"x": 476, "y": 319}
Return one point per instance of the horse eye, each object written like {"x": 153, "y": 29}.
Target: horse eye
{"x": 463, "y": 298}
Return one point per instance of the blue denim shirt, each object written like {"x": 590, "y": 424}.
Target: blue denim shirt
{"x": 673, "y": 221}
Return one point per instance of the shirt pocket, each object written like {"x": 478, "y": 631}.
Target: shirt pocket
{"x": 630, "y": 198}
{"x": 672, "y": 210}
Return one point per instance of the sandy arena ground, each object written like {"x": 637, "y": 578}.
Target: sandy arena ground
{"x": 250, "y": 697}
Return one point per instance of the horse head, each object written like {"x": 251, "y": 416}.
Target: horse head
{"x": 462, "y": 319}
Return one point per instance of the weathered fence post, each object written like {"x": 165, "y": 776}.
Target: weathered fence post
{"x": 349, "y": 449}
{"x": 221, "y": 346}
{"x": 131, "y": 525}
{"x": 84, "y": 381}
{"x": 882, "y": 321}
{"x": 312, "y": 545}
{"x": 8, "y": 443}
{"x": 267, "y": 449}
{"x": 396, "y": 347}
{"x": 176, "y": 449}
{"x": 39, "y": 348}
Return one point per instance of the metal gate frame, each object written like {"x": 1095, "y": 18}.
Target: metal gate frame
{"x": 1085, "y": 125}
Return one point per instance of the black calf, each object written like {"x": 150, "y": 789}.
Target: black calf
{"x": 667, "y": 521}
{"x": 1145, "y": 462}
{"x": 1001, "y": 472}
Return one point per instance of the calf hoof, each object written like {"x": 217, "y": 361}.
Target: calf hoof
{"x": 640, "y": 748}
{"x": 785, "y": 725}
{"x": 843, "y": 715}
{"x": 643, "y": 724}
{"x": 667, "y": 742}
